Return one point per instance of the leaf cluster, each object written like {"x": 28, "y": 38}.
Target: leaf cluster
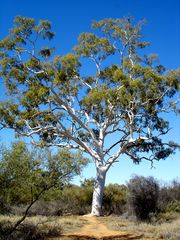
{"x": 91, "y": 45}
{"x": 24, "y": 172}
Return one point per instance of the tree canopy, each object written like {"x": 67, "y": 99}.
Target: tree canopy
{"x": 113, "y": 110}
{"x": 51, "y": 99}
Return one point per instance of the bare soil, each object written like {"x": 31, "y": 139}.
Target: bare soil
{"x": 94, "y": 229}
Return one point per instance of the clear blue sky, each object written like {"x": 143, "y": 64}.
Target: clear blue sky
{"x": 71, "y": 17}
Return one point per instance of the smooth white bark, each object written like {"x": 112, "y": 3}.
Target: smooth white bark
{"x": 98, "y": 191}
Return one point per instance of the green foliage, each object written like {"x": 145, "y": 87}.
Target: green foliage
{"x": 16, "y": 167}
{"x": 123, "y": 30}
{"x": 173, "y": 206}
{"x": 169, "y": 198}
{"x": 66, "y": 164}
{"x": 91, "y": 45}
{"x": 115, "y": 199}
{"x": 74, "y": 199}
{"x": 25, "y": 173}
{"x": 143, "y": 196}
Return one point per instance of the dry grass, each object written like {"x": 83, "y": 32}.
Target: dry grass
{"x": 166, "y": 230}
{"x": 30, "y": 229}
{"x": 70, "y": 224}
{"x": 46, "y": 226}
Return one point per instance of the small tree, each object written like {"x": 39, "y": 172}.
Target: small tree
{"x": 143, "y": 196}
{"x": 24, "y": 173}
{"x": 114, "y": 110}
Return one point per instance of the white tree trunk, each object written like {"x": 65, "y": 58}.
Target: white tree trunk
{"x": 98, "y": 191}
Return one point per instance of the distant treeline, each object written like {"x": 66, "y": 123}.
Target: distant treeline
{"x": 24, "y": 173}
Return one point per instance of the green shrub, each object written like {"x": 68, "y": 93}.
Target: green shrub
{"x": 169, "y": 197}
{"x": 143, "y": 196}
{"x": 114, "y": 199}
{"x": 173, "y": 206}
{"x": 165, "y": 217}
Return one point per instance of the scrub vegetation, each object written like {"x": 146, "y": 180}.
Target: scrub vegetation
{"x": 142, "y": 206}
{"x": 72, "y": 115}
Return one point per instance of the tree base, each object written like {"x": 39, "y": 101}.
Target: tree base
{"x": 92, "y": 215}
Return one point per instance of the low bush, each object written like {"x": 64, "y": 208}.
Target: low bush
{"x": 143, "y": 196}
{"x": 173, "y": 206}
{"x": 114, "y": 199}
{"x": 169, "y": 197}
{"x": 29, "y": 231}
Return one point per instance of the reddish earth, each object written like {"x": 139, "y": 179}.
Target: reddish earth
{"x": 95, "y": 230}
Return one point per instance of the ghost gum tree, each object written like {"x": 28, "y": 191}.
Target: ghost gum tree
{"x": 113, "y": 111}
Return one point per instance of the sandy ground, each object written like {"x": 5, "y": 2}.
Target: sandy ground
{"x": 96, "y": 230}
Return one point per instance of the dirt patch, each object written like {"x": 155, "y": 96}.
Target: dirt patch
{"x": 94, "y": 229}
{"x": 116, "y": 237}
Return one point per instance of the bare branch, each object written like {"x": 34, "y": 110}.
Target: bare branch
{"x": 78, "y": 120}
{"x": 83, "y": 82}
